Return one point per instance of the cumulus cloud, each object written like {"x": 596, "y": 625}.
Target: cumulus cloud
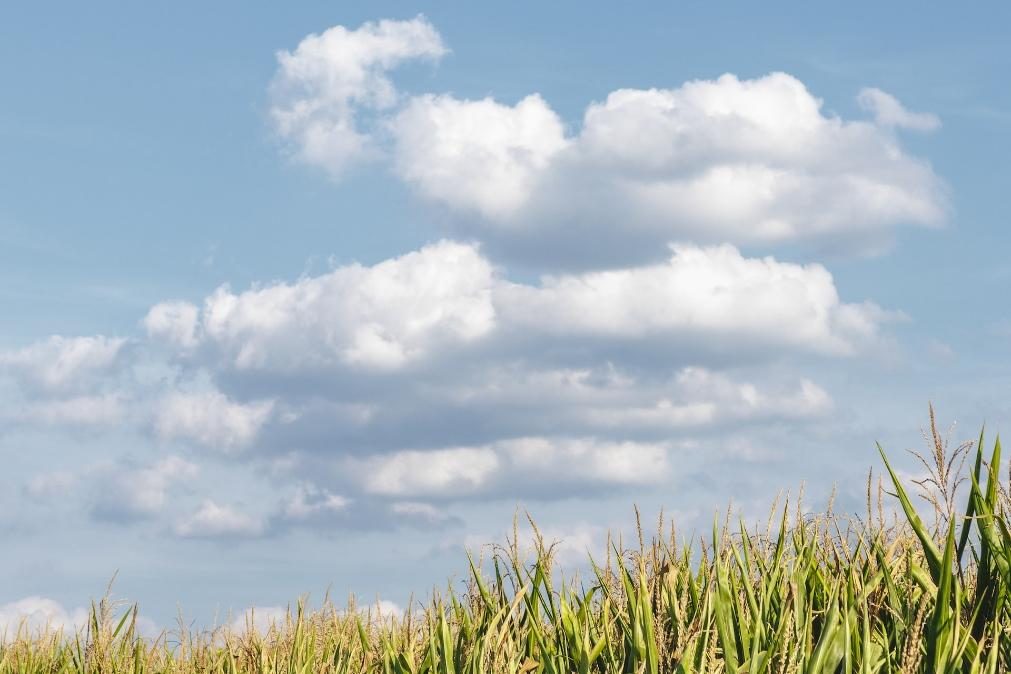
{"x": 477, "y": 155}
{"x": 459, "y": 470}
{"x": 513, "y": 466}
{"x": 61, "y": 365}
{"x": 211, "y": 420}
{"x": 447, "y": 297}
{"x": 585, "y": 461}
{"x": 323, "y": 84}
{"x": 726, "y": 160}
{"x": 174, "y": 322}
{"x": 124, "y": 493}
{"x": 752, "y": 161}
{"x": 432, "y": 376}
{"x": 706, "y": 293}
{"x": 380, "y": 393}
{"x": 495, "y": 382}
{"x": 889, "y": 112}
{"x": 379, "y": 317}
{"x": 213, "y": 520}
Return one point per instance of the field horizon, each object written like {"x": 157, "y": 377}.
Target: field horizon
{"x": 879, "y": 591}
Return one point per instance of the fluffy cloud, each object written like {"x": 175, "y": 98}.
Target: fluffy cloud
{"x": 375, "y": 392}
{"x": 211, "y": 420}
{"x": 701, "y": 293}
{"x": 477, "y": 155}
{"x": 321, "y": 86}
{"x": 889, "y": 112}
{"x": 726, "y": 160}
{"x": 61, "y": 365}
{"x": 586, "y": 461}
{"x": 174, "y": 322}
{"x": 496, "y": 382}
{"x": 124, "y": 493}
{"x": 743, "y": 161}
{"x": 447, "y": 297}
{"x": 380, "y": 317}
{"x": 212, "y": 520}
{"x": 511, "y": 465}
{"x": 432, "y": 376}
{"x": 421, "y": 473}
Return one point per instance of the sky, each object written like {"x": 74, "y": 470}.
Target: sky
{"x": 321, "y": 296}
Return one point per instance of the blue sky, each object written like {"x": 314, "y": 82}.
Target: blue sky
{"x": 287, "y": 313}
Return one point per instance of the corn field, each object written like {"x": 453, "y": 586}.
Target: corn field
{"x": 883, "y": 591}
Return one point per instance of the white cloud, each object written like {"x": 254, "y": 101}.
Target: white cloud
{"x": 124, "y": 493}
{"x": 59, "y": 365}
{"x": 501, "y": 383}
{"x": 431, "y": 376}
{"x": 212, "y": 520}
{"x": 477, "y": 155}
{"x": 889, "y": 112}
{"x": 35, "y": 614}
{"x": 595, "y": 378}
{"x": 727, "y": 160}
{"x": 174, "y": 322}
{"x": 447, "y": 296}
{"x": 585, "y": 461}
{"x": 379, "y": 317}
{"x": 514, "y": 465}
{"x": 210, "y": 419}
{"x": 322, "y": 85}
{"x": 458, "y": 470}
{"x": 704, "y": 294}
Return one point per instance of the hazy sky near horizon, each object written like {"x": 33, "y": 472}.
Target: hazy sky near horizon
{"x": 320, "y": 295}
